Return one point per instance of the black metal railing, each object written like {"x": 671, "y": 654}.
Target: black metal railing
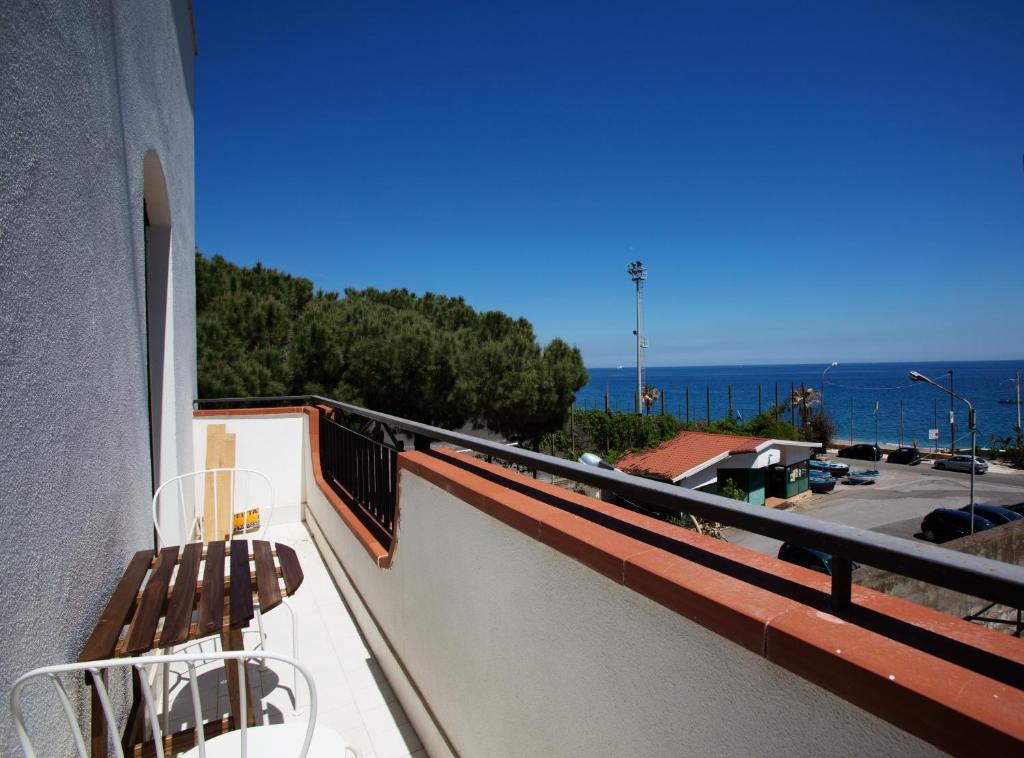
{"x": 979, "y": 615}
{"x": 973, "y": 575}
{"x": 362, "y": 466}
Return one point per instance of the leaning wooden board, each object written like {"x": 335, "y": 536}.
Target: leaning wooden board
{"x": 217, "y": 492}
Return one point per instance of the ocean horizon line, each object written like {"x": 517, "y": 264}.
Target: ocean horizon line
{"x": 816, "y": 363}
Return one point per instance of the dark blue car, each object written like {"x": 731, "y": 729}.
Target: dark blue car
{"x": 945, "y": 524}
{"x": 994, "y": 513}
{"x": 807, "y": 557}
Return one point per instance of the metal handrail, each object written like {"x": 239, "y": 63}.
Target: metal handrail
{"x": 981, "y": 577}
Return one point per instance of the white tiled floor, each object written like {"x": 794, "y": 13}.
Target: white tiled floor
{"x": 353, "y": 696}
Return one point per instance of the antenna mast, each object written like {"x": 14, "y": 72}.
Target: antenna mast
{"x": 638, "y": 274}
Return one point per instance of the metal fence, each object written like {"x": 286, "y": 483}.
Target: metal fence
{"x": 364, "y": 469}
{"x": 981, "y": 577}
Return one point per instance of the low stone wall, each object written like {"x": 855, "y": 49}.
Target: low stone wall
{"x": 1004, "y": 543}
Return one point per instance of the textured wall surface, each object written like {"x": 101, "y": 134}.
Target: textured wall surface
{"x": 519, "y": 650}
{"x": 1004, "y": 543}
{"x": 86, "y": 90}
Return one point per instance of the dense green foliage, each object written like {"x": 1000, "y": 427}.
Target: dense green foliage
{"x": 611, "y": 434}
{"x": 1009, "y": 449}
{"x": 430, "y": 358}
{"x": 730, "y": 489}
{"x": 614, "y": 434}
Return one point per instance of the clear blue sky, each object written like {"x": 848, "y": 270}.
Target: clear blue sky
{"x": 804, "y": 182}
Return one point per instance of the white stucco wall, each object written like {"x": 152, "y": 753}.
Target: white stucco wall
{"x": 794, "y": 454}
{"x": 519, "y": 650}
{"x": 270, "y": 444}
{"x": 86, "y": 90}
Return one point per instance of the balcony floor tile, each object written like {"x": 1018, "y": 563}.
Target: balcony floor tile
{"x": 353, "y": 695}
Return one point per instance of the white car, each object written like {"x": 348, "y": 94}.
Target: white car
{"x": 962, "y": 463}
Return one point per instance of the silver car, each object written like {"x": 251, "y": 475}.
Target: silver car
{"x": 962, "y": 463}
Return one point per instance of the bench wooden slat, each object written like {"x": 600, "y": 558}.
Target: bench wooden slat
{"x": 289, "y": 567}
{"x": 104, "y": 636}
{"x": 179, "y": 611}
{"x": 154, "y": 598}
{"x": 211, "y": 599}
{"x": 267, "y": 588}
{"x": 241, "y": 608}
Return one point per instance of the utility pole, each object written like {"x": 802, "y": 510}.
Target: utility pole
{"x": 833, "y": 364}
{"x": 901, "y": 423}
{"x": 972, "y": 422}
{"x": 876, "y": 431}
{"x": 687, "y": 406}
{"x": 638, "y": 274}
{"x": 792, "y": 405}
{"x": 952, "y": 416}
{"x": 851, "y": 419}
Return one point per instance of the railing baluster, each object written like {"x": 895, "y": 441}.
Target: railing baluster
{"x": 364, "y": 468}
{"x": 842, "y": 578}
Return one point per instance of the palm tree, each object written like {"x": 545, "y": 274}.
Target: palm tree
{"x": 649, "y": 395}
{"x": 804, "y": 398}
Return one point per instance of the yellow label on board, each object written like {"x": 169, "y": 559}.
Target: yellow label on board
{"x": 247, "y": 522}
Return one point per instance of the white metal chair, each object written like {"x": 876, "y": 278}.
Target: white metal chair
{"x": 271, "y": 740}
{"x": 189, "y": 492}
{"x": 242, "y": 499}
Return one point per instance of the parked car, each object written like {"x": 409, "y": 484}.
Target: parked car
{"x": 962, "y": 463}
{"x": 945, "y": 524}
{"x": 862, "y": 452}
{"x": 807, "y": 557}
{"x": 994, "y": 513}
{"x": 1016, "y": 508}
{"x": 909, "y": 456}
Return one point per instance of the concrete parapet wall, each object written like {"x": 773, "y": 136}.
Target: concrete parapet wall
{"x": 1004, "y": 543}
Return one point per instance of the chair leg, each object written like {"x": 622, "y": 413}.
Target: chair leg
{"x": 262, "y": 635}
{"x": 167, "y": 692}
{"x": 296, "y": 710}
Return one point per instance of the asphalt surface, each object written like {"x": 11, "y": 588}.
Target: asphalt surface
{"x": 897, "y": 502}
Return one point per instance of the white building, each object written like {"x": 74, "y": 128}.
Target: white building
{"x": 703, "y": 460}
{"x": 97, "y": 306}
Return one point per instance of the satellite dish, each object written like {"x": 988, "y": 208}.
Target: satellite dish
{"x": 590, "y": 459}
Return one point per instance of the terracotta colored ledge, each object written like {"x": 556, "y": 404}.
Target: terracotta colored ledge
{"x": 248, "y": 411}
{"x": 380, "y": 555}
{"x": 954, "y": 684}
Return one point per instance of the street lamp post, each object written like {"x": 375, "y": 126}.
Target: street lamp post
{"x": 972, "y": 422}
{"x": 952, "y": 417}
{"x": 1016, "y": 381}
{"x": 831, "y": 365}
{"x": 638, "y": 274}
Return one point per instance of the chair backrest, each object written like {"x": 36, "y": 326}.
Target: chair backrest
{"x": 220, "y": 500}
{"x": 142, "y": 668}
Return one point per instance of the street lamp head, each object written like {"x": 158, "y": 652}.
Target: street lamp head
{"x": 916, "y": 376}
{"x": 834, "y": 364}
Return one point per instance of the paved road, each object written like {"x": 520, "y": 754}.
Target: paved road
{"x": 897, "y": 502}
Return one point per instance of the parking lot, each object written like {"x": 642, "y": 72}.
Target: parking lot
{"x": 898, "y": 501}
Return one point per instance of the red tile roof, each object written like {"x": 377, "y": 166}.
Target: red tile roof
{"x": 685, "y": 451}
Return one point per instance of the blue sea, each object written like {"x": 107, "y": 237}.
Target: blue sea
{"x": 851, "y": 392}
